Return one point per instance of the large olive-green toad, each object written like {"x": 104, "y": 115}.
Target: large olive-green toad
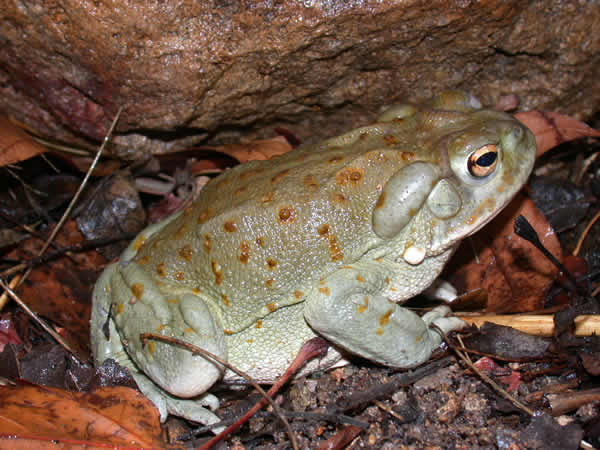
{"x": 325, "y": 240}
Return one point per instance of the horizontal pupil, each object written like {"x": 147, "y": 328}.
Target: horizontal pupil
{"x": 486, "y": 160}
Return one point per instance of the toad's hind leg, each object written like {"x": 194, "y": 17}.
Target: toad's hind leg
{"x": 172, "y": 371}
{"x": 348, "y": 308}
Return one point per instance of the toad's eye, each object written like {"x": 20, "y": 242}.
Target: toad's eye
{"x": 483, "y": 161}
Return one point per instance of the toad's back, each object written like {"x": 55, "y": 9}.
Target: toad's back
{"x": 261, "y": 235}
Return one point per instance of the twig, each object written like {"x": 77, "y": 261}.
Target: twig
{"x": 310, "y": 349}
{"x": 381, "y": 390}
{"x": 585, "y": 233}
{"x": 483, "y": 376}
{"x": 82, "y": 185}
{"x": 63, "y": 148}
{"x": 539, "y": 325}
{"x": 389, "y": 410}
{"x": 34, "y": 316}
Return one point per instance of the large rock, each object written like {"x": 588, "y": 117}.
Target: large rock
{"x": 186, "y": 71}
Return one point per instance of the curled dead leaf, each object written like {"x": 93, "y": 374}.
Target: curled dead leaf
{"x": 15, "y": 144}
{"x": 255, "y": 150}
{"x": 551, "y": 129}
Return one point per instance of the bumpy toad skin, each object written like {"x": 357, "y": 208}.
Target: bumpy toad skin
{"x": 325, "y": 240}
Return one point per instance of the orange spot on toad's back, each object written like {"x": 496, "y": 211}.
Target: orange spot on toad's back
{"x": 362, "y": 308}
{"x": 298, "y": 294}
{"x": 207, "y": 243}
{"x": 349, "y": 175}
{"x": 277, "y": 178}
{"x": 334, "y": 249}
{"x": 385, "y": 319}
{"x": 271, "y": 306}
{"x": 325, "y": 290}
{"x": 225, "y": 299}
{"x": 230, "y": 226}
{"x": 137, "y": 289}
{"x": 186, "y": 252}
{"x": 216, "y": 268}
{"x": 339, "y": 198}
{"x": 268, "y": 197}
{"x": 287, "y": 214}
{"x": 161, "y": 270}
{"x": 310, "y": 181}
{"x": 205, "y": 215}
{"x": 271, "y": 263}
{"x": 407, "y": 156}
{"x": 179, "y": 276}
{"x": 244, "y": 252}
{"x": 390, "y": 140}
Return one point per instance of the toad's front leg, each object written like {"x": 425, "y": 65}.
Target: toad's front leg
{"x": 348, "y": 308}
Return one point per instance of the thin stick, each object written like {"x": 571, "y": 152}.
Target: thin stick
{"x": 492, "y": 383}
{"x": 34, "y": 316}
{"x": 65, "y": 216}
{"x": 539, "y": 325}
{"x": 585, "y": 233}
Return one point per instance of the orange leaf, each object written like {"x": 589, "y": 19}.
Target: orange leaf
{"x": 117, "y": 415}
{"x": 255, "y": 150}
{"x": 514, "y": 273}
{"x": 15, "y": 144}
{"x": 551, "y": 129}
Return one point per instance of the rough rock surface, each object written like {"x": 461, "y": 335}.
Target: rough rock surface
{"x": 186, "y": 71}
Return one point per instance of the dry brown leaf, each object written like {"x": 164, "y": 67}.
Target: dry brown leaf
{"x": 256, "y": 150}
{"x": 551, "y": 129}
{"x": 15, "y": 144}
{"x": 514, "y": 273}
{"x": 117, "y": 415}
{"x": 61, "y": 289}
